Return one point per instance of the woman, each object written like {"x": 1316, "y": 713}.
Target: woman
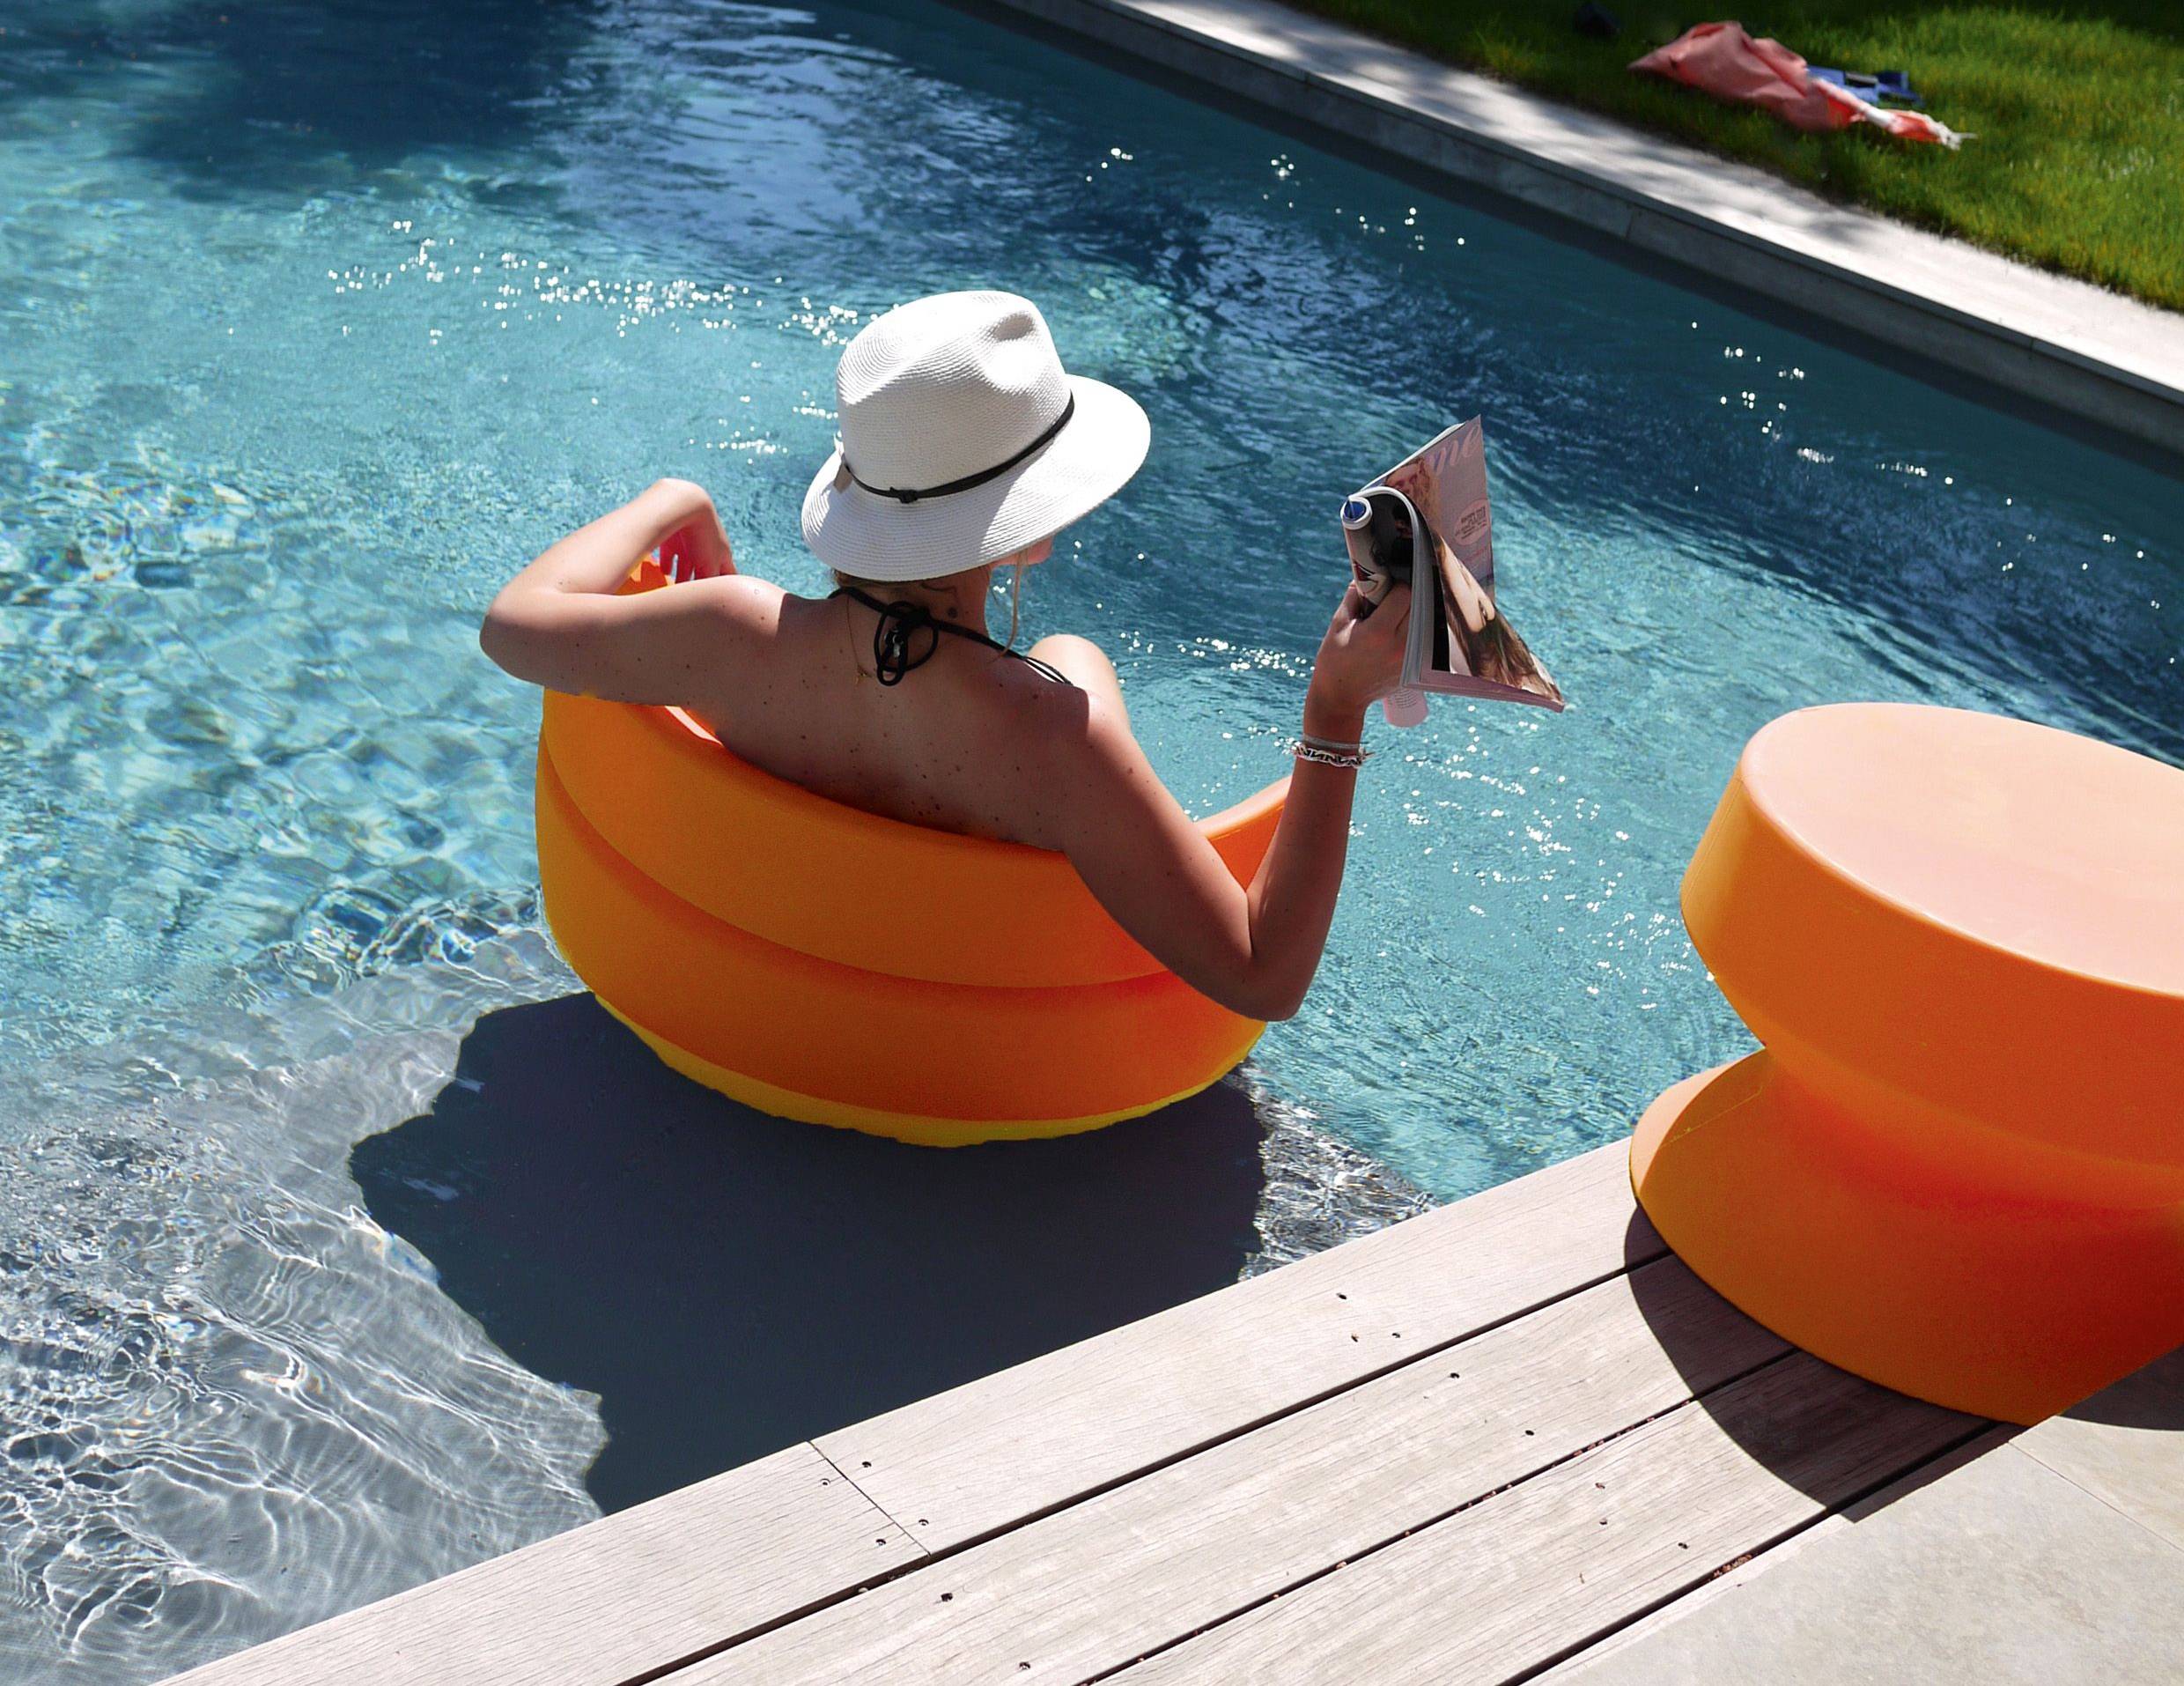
{"x": 965, "y": 448}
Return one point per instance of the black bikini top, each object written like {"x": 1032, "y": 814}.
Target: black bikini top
{"x": 895, "y": 641}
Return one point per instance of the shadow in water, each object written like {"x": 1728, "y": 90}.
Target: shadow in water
{"x": 729, "y": 1283}
{"x": 261, "y": 96}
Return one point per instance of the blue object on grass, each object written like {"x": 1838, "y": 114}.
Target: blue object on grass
{"x": 1890, "y": 84}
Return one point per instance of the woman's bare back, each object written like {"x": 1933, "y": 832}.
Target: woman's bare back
{"x": 959, "y": 743}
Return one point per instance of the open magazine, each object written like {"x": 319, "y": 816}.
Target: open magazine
{"x": 1427, "y": 523}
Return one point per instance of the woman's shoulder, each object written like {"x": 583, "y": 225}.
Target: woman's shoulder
{"x": 1072, "y": 735}
{"x": 743, "y": 603}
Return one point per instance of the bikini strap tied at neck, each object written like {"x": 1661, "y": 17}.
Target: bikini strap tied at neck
{"x": 894, "y": 640}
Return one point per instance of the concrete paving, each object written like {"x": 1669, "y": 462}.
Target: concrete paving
{"x": 2086, "y": 351}
{"x": 2052, "y": 1557}
{"x": 2126, "y": 1447}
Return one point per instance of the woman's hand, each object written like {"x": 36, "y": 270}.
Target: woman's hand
{"x": 1361, "y": 659}
{"x": 699, "y": 549}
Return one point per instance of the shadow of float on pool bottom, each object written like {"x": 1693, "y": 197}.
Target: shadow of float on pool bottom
{"x": 729, "y": 1283}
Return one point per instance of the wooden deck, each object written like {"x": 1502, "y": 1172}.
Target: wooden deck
{"x": 1464, "y": 1448}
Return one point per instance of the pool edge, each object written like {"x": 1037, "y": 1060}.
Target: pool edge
{"x": 2097, "y": 355}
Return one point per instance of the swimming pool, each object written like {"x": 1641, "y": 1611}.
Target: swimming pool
{"x": 315, "y": 319}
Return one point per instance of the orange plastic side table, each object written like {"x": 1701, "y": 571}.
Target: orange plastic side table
{"x": 1956, "y": 1165}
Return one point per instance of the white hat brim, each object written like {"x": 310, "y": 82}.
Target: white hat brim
{"x": 872, "y": 538}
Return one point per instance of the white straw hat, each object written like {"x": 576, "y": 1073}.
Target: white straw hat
{"x": 962, "y": 439}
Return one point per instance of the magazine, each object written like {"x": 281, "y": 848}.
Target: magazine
{"x": 1427, "y": 523}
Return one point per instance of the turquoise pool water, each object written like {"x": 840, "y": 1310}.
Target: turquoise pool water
{"x": 317, "y": 319}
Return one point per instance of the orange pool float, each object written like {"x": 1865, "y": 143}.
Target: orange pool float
{"x": 825, "y": 964}
{"x": 1956, "y": 1165}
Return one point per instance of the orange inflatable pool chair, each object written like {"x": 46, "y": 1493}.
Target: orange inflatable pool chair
{"x": 827, "y": 964}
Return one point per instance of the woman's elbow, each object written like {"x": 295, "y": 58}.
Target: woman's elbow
{"x": 509, "y": 643}
{"x": 1271, "y": 999}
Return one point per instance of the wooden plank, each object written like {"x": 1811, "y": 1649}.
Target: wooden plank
{"x": 2004, "y": 1572}
{"x": 1508, "y": 1585}
{"x": 1092, "y": 1587}
{"x": 1743, "y": 1574}
{"x": 961, "y": 1464}
{"x": 620, "y": 1598}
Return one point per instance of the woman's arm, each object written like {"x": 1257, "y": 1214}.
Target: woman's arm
{"x": 560, "y": 624}
{"x": 1253, "y": 950}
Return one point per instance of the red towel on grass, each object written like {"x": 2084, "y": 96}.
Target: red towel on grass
{"x": 1730, "y": 64}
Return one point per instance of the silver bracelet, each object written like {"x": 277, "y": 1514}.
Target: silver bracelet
{"x": 1329, "y": 743}
{"x": 1353, "y": 758}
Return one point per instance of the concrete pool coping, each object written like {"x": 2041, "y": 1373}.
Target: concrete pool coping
{"x": 2092, "y": 354}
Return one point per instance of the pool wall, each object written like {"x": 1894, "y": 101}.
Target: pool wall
{"x": 2060, "y": 343}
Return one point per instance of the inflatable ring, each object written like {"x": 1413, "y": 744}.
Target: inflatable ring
{"x": 834, "y": 966}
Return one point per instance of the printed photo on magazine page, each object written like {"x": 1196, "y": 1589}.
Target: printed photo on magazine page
{"x": 1428, "y": 523}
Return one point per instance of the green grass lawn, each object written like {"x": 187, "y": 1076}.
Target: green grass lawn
{"x": 2077, "y": 107}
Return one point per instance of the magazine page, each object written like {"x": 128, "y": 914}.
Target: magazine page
{"x": 1461, "y": 644}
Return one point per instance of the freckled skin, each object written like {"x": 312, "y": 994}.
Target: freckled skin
{"x": 905, "y": 749}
